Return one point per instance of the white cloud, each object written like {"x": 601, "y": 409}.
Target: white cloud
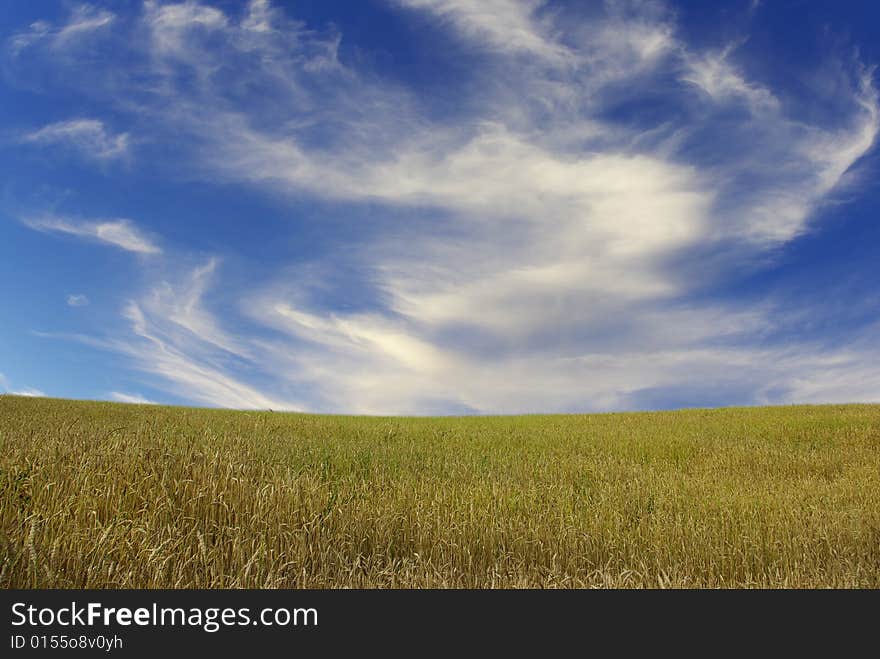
{"x": 170, "y": 23}
{"x": 176, "y": 339}
{"x": 30, "y": 392}
{"x": 584, "y": 173}
{"x": 195, "y": 378}
{"x": 77, "y": 300}
{"x": 88, "y": 136}
{"x": 119, "y": 233}
{"x": 135, "y": 399}
{"x": 714, "y": 75}
{"x": 183, "y": 309}
{"x": 84, "y": 21}
{"x": 504, "y": 25}
{"x": 6, "y": 387}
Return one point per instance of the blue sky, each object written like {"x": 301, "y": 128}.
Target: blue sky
{"x": 440, "y": 206}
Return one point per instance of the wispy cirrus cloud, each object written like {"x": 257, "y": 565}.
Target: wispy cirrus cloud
{"x": 29, "y": 392}
{"x": 714, "y": 75}
{"x": 509, "y": 26}
{"x": 89, "y": 137}
{"x": 77, "y": 300}
{"x": 120, "y": 233}
{"x": 135, "y": 399}
{"x": 82, "y": 21}
{"x": 380, "y": 365}
{"x": 7, "y": 388}
{"x": 193, "y": 363}
{"x": 539, "y": 247}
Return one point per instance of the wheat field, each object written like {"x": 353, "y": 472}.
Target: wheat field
{"x": 105, "y": 495}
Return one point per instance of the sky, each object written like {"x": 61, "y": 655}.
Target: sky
{"x": 440, "y": 206}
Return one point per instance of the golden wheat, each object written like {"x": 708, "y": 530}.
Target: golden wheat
{"x": 101, "y": 495}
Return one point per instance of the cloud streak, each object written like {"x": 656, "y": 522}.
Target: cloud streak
{"x": 87, "y": 136}
{"x": 134, "y": 399}
{"x": 120, "y": 233}
{"x": 508, "y": 26}
{"x": 29, "y": 392}
{"x": 84, "y": 21}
